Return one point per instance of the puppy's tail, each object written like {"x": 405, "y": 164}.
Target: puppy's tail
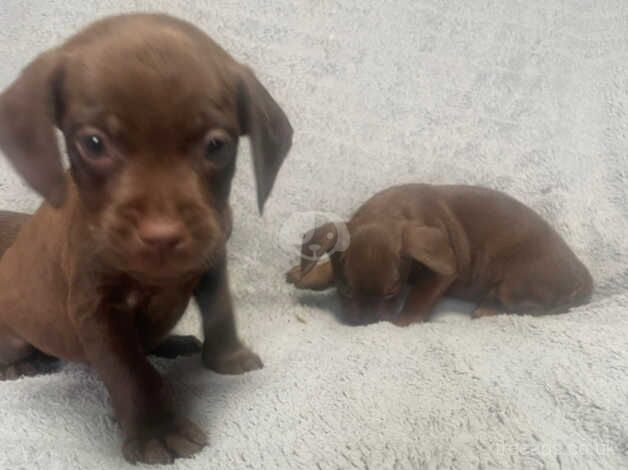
{"x": 10, "y": 225}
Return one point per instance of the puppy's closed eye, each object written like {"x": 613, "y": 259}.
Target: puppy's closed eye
{"x": 345, "y": 290}
{"x": 396, "y": 286}
{"x": 393, "y": 293}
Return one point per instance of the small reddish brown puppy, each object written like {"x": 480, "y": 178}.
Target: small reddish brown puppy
{"x": 151, "y": 110}
{"x": 410, "y": 245}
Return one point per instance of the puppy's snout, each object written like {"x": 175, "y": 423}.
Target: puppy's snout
{"x": 161, "y": 234}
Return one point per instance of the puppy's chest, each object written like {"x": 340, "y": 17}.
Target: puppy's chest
{"x": 156, "y": 309}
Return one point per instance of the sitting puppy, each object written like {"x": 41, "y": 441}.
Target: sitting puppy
{"x": 410, "y": 245}
{"x": 151, "y": 110}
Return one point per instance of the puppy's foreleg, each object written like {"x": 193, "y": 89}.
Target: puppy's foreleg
{"x": 320, "y": 277}
{"x": 422, "y": 298}
{"x": 153, "y": 432}
{"x": 223, "y": 352}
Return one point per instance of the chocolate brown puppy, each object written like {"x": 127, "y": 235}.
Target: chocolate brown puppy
{"x": 151, "y": 110}
{"x": 410, "y": 245}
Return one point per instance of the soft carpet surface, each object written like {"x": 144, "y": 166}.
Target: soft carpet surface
{"x": 530, "y": 97}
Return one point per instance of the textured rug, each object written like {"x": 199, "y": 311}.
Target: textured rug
{"x": 529, "y": 97}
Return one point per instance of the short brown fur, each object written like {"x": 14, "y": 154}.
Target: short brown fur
{"x": 151, "y": 110}
{"x": 412, "y": 244}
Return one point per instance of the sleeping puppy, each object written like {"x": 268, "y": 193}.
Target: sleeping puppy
{"x": 412, "y": 244}
{"x": 151, "y": 110}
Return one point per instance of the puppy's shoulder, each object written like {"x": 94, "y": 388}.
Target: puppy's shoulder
{"x": 408, "y": 201}
{"x": 407, "y": 193}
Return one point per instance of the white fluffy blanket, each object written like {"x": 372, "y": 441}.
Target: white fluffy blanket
{"x": 530, "y": 97}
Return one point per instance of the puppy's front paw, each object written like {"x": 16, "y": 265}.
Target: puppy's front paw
{"x": 482, "y": 312}
{"x": 179, "y": 439}
{"x": 294, "y": 275}
{"x": 406, "y": 320}
{"x": 232, "y": 362}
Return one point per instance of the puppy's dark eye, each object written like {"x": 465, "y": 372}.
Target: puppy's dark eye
{"x": 215, "y": 147}
{"x": 212, "y": 146}
{"x": 94, "y": 145}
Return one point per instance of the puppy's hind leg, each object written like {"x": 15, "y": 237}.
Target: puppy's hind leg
{"x": 545, "y": 286}
{"x": 20, "y": 359}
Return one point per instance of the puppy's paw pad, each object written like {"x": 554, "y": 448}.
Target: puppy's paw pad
{"x": 182, "y": 440}
{"x": 234, "y": 362}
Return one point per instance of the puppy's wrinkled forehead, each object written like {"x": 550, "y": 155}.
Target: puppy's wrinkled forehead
{"x": 153, "y": 88}
{"x": 133, "y": 85}
{"x": 372, "y": 262}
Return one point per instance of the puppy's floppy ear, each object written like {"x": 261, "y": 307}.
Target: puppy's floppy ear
{"x": 29, "y": 108}
{"x": 429, "y": 246}
{"x": 268, "y": 128}
{"x": 317, "y": 243}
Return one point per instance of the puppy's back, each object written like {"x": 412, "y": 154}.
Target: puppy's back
{"x": 504, "y": 232}
{"x": 498, "y": 232}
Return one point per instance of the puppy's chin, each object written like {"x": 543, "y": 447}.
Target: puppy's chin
{"x": 160, "y": 269}
{"x": 355, "y": 314}
{"x": 391, "y": 309}
{"x": 367, "y": 311}
{"x": 178, "y": 264}
{"x": 361, "y": 319}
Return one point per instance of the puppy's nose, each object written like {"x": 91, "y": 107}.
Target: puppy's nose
{"x": 161, "y": 234}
